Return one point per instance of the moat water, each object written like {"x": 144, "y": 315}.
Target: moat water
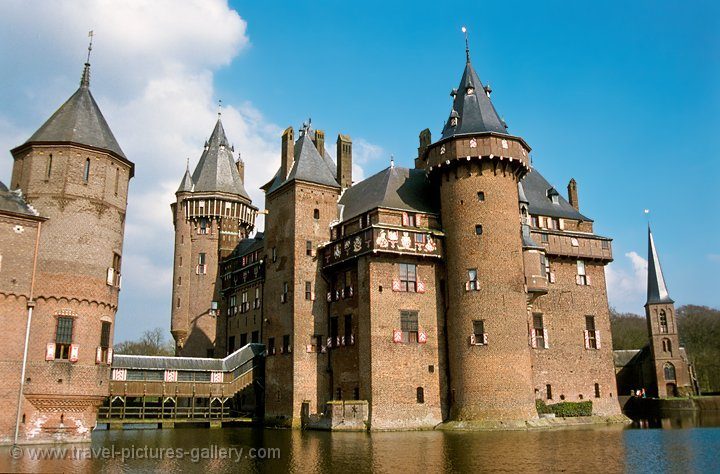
{"x": 681, "y": 444}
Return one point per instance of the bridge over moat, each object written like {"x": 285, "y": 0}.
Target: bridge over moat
{"x": 165, "y": 391}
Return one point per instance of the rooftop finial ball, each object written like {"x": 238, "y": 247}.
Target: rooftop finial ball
{"x": 464, "y": 30}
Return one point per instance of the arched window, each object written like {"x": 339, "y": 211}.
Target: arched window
{"x": 420, "y": 394}
{"x": 669, "y": 371}
{"x": 663, "y": 322}
{"x": 667, "y": 346}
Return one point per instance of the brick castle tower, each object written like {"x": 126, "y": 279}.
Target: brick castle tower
{"x": 213, "y": 212}
{"x": 477, "y": 166}
{"x": 75, "y": 175}
{"x": 671, "y": 373}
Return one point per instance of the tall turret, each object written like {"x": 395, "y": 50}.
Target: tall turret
{"x": 477, "y": 165}
{"x": 212, "y": 213}
{"x": 670, "y": 369}
{"x": 73, "y": 172}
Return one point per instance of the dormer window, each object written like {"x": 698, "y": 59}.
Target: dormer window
{"x": 453, "y": 121}
{"x": 553, "y": 195}
{"x": 554, "y": 198}
{"x": 470, "y": 90}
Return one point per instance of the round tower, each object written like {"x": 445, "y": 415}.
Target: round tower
{"x": 74, "y": 173}
{"x": 477, "y": 166}
{"x": 212, "y": 213}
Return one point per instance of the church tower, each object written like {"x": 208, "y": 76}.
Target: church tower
{"x": 671, "y": 374}
{"x": 212, "y": 213}
{"x": 477, "y": 166}
{"x": 74, "y": 173}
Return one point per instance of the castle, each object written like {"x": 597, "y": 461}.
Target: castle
{"x": 465, "y": 288}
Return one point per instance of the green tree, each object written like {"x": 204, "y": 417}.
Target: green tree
{"x": 629, "y": 331}
{"x": 699, "y": 329}
{"x": 151, "y": 343}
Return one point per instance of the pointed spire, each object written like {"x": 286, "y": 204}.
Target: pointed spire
{"x": 85, "y": 79}
{"x": 467, "y": 45}
{"x": 657, "y": 291}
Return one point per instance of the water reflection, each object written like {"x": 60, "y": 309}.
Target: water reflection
{"x": 600, "y": 449}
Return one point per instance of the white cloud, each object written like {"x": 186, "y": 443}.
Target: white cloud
{"x": 153, "y": 65}
{"x": 627, "y": 283}
{"x": 713, "y": 257}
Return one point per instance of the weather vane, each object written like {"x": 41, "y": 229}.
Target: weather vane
{"x": 467, "y": 44}
{"x": 91, "y": 33}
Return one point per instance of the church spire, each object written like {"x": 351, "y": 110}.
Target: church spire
{"x": 657, "y": 291}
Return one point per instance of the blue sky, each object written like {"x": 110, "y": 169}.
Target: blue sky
{"x": 622, "y": 96}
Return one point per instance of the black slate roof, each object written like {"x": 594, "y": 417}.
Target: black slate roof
{"x": 216, "y": 170}
{"x": 186, "y": 185}
{"x": 13, "y": 202}
{"x": 246, "y": 246}
{"x": 657, "y": 291}
{"x": 308, "y": 166}
{"x": 392, "y": 188}
{"x": 536, "y": 190}
{"x": 79, "y": 121}
{"x": 471, "y": 105}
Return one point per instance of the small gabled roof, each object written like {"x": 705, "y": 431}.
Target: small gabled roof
{"x": 216, "y": 171}
{"x": 308, "y": 165}
{"x": 472, "y": 107}
{"x": 13, "y": 202}
{"x": 79, "y": 121}
{"x": 537, "y": 191}
{"x": 657, "y": 291}
{"x": 392, "y": 188}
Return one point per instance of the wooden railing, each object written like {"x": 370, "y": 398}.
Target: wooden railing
{"x": 164, "y": 412}
{"x": 147, "y": 388}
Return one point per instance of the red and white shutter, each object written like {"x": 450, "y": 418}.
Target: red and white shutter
{"x": 587, "y": 280}
{"x": 578, "y": 280}
{"x": 110, "y": 276}
{"x": 170, "y": 376}
{"x": 50, "y": 351}
{"x": 552, "y": 277}
{"x": 545, "y": 338}
{"x": 472, "y": 340}
{"x": 420, "y": 286}
{"x": 397, "y": 336}
{"x": 533, "y": 338}
{"x": 587, "y": 339}
{"x": 485, "y": 338}
{"x": 422, "y": 337}
{"x": 352, "y": 339}
{"x": 308, "y": 348}
{"x": 74, "y": 352}
{"x": 119, "y": 374}
{"x": 342, "y": 340}
{"x": 396, "y": 284}
{"x": 110, "y": 355}
{"x": 405, "y": 220}
{"x": 216, "y": 377}
{"x": 98, "y": 355}
{"x": 467, "y": 286}
{"x": 597, "y": 339}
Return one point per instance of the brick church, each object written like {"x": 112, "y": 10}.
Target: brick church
{"x": 465, "y": 288}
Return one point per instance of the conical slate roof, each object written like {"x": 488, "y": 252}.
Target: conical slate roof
{"x": 308, "y": 166}
{"x": 472, "y": 107}
{"x": 186, "y": 185}
{"x": 657, "y": 291}
{"x": 79, "y": 121}
{"x": 216, "y": 170}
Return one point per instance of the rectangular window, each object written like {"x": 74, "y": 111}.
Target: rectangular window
{"x": 591, "y": 333}
{"x": 203, "y": 226}
{"x": 348, "y": 329}
{"x": 478, "y": 229}
{"x": 201, "y": 259}
{"x": 411, "y": 220}
{"x": 308, "y": 290}
{"x": 274, "y": 254}
{"x": 244, "y": 302}
{"x": 479, "y": 332}
{"x": 243, "y": 339}
{"x": 581, "y": 276}
{"x": 605, "y": 244}
{"x": 271, "y": 346}
{"x": 548, "y": 391}
{"x": 117, "y": 180}
{"x": 255, "y": 337}
{"x": 308, "y": 248}
{"x": 284, "y": 296}
{"x": 544, "y": 238}
{"x": 86, "y": 172}
{"x": 408, "y": 277}
{"x": 539, "y": 330}
{"x": 63, "y": 337}
{"x": 534, "y": 221}
{"x": 597, "y": 390}
{"x": 348, "y": 283}
{"x": 286, "y": 344}
{"x": 545, "y": 267}
{"x": 472, "y": 283}
{"x": 409, "y": 326}
{"x": 105, "y": 335}
{"x": 256, "y": 303}
{"x": 481, "y": 196}
{"x": 231, "y": 344}
{"x": 554, "y": 223}
{"x": 334, "y": 332}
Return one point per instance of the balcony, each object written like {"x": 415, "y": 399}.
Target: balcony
{"x": 576, "y": 246}
{"x": 383, "y": 239}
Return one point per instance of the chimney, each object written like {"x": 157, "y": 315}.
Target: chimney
{"x": 288, "y": 152}
{"x": 344, "y": 161}
{"x": 319, "y": 142}
{"x": 573, "y": 194}
{"x": 425, "y": 139}
{"x": 240, "y": 165}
